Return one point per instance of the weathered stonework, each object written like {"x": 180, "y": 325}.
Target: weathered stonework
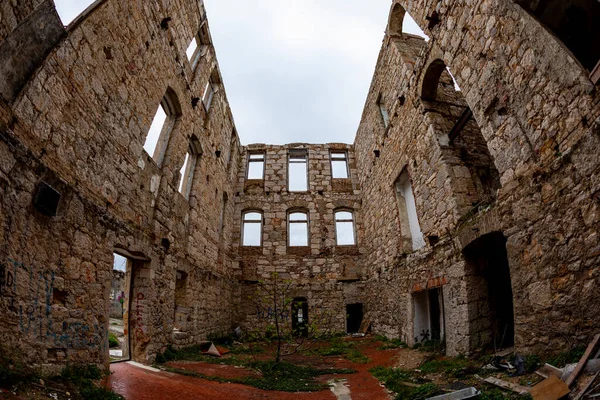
{"x": 504, "y": 172}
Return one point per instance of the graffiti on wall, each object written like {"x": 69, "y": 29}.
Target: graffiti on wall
{"x": 32, "y": 312}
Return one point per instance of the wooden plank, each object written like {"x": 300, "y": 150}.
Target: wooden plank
{"x": 595, "y": 75}
{"x": 551, "y": 388}
{"x": 364, "y": 326}
{"x": 586, "y": 388}
{"x": 588, "y": 352}
{"x": 548, "y": 370}
{"x": 522, "y": 390}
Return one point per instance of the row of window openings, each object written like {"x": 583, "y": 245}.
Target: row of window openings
{"x": 298, "y": 232}
{"x": 298, "y": 168}
{"x": 160, "y": 130}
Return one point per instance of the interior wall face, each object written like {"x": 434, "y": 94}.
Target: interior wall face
{"x": 538, "y": 113}
{"x": 324, "y": 273}
{"x": 79, "y": 124}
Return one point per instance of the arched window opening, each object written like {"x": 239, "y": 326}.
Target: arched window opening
{"x": 186, "y": 174}
{"x": 298, "y": 228}
{"x": 252, "y": 222}
{"x": 344, "y": 228}
{"x": 462, "y": 137}
{"x": 162, "y": 125}
{"x": 400, "y": 21}
{"x": 574, "y": 22}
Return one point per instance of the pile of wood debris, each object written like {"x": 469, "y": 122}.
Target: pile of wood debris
{"x": 577, "y": 381}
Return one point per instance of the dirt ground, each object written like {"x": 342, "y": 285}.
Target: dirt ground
{"x": 139, "y": 384}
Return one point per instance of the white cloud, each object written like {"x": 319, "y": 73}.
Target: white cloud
{"x": 298, "y": 70}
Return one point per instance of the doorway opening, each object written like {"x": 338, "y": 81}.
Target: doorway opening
{"x": 489, "y": 293}
{"x": 118, "y": 328}
{"x": 428, "y": 315}
{"x": 300, "y": 316}
{"x": 354, "y": 317}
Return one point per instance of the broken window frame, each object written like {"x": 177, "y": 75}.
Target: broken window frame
{"x": 256, "y": 157}
{"x": 385, "y": 117}
{"x": 338, "y": 220}
{"x": 245, "y": 221}
{"x": 304, "y": 221}
{"x": 186, "y": 177}
{"x": 172, "y": 109}
{"x": 297, "y": 156}
{"x": 338, "y": 156}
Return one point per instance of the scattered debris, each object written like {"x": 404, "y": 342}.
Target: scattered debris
{"x": 547, "y": 370}
{"x": 468, "y": 393}
{"x": 522, "y": 390}
{"x": 581, "y": 364}
{"x": 551, "y": 388}
{"x": 586, "y": 387}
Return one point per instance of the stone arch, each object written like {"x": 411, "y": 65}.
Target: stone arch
{"x": 573, "y": 24}
{"x": 395, "y": 20}
{"x": 431, "y": 79}
{"x": 475, "y": 178}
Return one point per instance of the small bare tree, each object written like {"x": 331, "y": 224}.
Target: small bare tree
{"x": 275, "y": 310}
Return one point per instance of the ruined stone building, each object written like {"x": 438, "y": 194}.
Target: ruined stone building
{"x": 470, "y": 216}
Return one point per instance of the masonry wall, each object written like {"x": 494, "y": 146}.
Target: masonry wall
{"x": 79, "y": 124}
{"x": 326, "y": 274}
{"x": 538, "y": 113}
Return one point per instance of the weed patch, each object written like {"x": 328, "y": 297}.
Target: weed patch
{"x": 399, "y": 382}
{"x": 281, "y": 376}
{"x": 339, "y": 347}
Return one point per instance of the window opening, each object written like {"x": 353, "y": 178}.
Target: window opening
{"x": 300, "y": 316}
{"x": 344, "y": 228}
{"x": 223, "y": 208}
{"x": 252, "y": 229}
{"x": 383, "y": 112}
{"x": 339, "y": 165}
{"x": 209, "y": 93}
{"x": 189, "y": 166}
{"x": 298, "y": 229}
{"x": 298, "y": 171}
{"x": 410, "y": 229}
{"x": 162, "y": 124}
{"x": 256, "y": 166}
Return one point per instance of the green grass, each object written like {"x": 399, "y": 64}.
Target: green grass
{"x": 389, "y": 344}
{"x": 282, "y": 376}
{"x": 82, "y": 377}
{"x": 393, "y": 379}
{"x": 340, "y": 347}
{"x": 454, "y": 367}
{"x": 112, "y": 340}
{"x": 568, "y": 357}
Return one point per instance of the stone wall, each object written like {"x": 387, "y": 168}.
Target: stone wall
{"x": 79, "y": 124}
{"x": 322, "y": 272}
{"x": 538, "y": 114}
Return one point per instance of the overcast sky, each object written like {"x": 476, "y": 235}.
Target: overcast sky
{"x": 294, "y": 70}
